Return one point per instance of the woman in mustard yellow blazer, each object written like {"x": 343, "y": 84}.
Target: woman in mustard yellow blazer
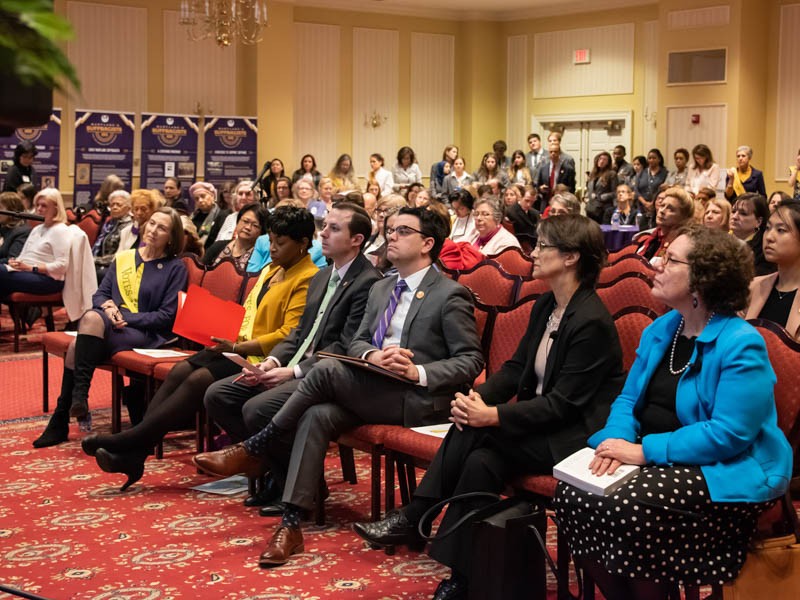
{"x": 272, "y": 309}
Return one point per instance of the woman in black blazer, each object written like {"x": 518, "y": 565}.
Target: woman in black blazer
{"x": 565, "y": 373}
{"x": 13, "y": 231}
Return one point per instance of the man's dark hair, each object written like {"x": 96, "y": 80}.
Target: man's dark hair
{"x": 431, "y": 225}
{"x": 534, "y": 136}
{"x": 359, "y": 220}
{"x": 463, "y": 196}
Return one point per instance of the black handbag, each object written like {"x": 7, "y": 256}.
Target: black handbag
{"x": 508, "y": 560}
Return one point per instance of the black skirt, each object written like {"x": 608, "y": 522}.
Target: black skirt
{"x": 661, "y": 526}
{"x": 219, "y": 366}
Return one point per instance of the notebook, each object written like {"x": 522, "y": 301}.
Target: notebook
{"x": 575, "y": 470}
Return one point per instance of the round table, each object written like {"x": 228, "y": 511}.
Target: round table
{"x": 618, "y": 238}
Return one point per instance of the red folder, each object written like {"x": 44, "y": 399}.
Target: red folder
{"x": 201, "y": 316}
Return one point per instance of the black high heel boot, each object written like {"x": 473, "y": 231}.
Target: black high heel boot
{"x": 57, "y": 430}
{"x": 89, "y": 352}
{"x": 128, "y": 463}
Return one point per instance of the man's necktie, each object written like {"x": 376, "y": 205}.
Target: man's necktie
{"x": 326, "y": 299}
{"x": 383, "y": 324}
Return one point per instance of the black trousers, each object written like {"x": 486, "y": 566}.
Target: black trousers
{"x": 475, "y": 460}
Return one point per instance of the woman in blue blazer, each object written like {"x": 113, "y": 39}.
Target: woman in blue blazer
{"x": 698, "y": 414}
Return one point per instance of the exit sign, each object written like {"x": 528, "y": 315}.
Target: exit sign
{"x": 581, "y": 57}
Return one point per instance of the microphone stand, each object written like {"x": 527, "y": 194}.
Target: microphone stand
{"x": 22, "y": 215}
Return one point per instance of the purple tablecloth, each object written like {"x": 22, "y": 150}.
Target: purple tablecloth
{"x": 618, "y": 238}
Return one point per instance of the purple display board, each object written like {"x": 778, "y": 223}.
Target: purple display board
{"x": 169, "y": 149}
{"x": 230, "y": 153}
{"x": 103, "y": 146}
{"x": 47, "y": 139}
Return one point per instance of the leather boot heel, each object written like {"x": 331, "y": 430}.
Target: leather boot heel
{"x": 128, "y": 464}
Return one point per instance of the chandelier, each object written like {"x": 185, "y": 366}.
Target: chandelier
{"x": 224, "y": 20}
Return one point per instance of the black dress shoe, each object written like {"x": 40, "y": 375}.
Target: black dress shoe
{"x": 273, "y": 509}
{"x": 130, "y": 464}
{"x": 268, "y": 493}
{"x": 394, "y": 530}
{"x": 454, "y": 588}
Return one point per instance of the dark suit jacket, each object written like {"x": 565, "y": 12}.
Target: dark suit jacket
{"x": 440, "y": 330}
{"x": 341, "y": 318}
{"x": 13, "y": 241}
{"x": 524, "y": 222}
{"x": 583, "y": 375}
{"x": 754, "y": 184}
{"x": 566, "y": 174}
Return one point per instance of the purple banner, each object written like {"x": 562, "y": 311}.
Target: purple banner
{"x": 47, "y": 140}
{"x": 103, "y": 146}
{"x": 230, "y": 153}
{"x": 169, "y": 149}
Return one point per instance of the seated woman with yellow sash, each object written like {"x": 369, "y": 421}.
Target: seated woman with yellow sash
{"x": 134, "y": 307}
{"x": 272, "y": 309}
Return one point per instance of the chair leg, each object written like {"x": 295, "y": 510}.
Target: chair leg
{"x": 376, "y": 481}
{"x": 389, "y": 461}
{"x": 48, "y": 320}
{"x": 319, "y": 505}
{"x": 200, "y": 429}
{"x": 411, "y": 478}
{"x": 402, "y": 479}
{"x": 348, "y": 464}
{"x": 45, "y": 381}
{"x": 16, "y": 319}
{"x": 562, "y": 560}
{"x": 116, "y": 401}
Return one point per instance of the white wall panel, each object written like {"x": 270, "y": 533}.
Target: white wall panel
{"x": 712, "y": 130}
{"x": 711, "y": 16}
{"x": 197, "y": 72}
{"x": 787, "y": 120}
{"x": 649, "y": 115}
{"x": 110, "y": 54}
{"x": 316, "y": 110}
{"x": 432, "y": 88}
{"x": 517, "y": 93}
{"x": 610, "y": 72}
{"x": 376, "y": 62}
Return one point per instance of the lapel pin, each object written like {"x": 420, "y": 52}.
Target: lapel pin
{"x": 420, "y": 295}
{"x": 160, "y": 265}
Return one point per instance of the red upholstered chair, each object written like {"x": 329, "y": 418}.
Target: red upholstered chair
{"x": 194, "y": 269}
{"x": 54, "y": 342}
{"x": 224, "y": 280}
{"x": 19, "y": 302}
{"x": 490, "y": 283}
{"x": 625, "y": 252}
{"x": 514, "y": 262}
{"x": 91, "y": 223}
{"x": 631, "y": 263}
{"x": 531, "y": 288}
{"x": 630, "y": 322}
{"x": 631, "y": 289}
{"x": 508, "y": 327}
{"x": 250, "y": 281}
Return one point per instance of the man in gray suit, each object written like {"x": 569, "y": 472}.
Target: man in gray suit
{"x": 337, "y": 296}
{"x": 419, "y": 325}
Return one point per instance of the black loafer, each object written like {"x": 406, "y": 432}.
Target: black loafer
{"x": 267, "y": 493}
{"x": 273, "y": 509}
{"x": 394, "y": 530}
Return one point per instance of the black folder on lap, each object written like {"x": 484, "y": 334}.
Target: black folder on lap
{"x": 363, "y": 363}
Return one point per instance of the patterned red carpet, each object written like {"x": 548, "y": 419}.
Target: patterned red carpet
{"x": 67, "y": 532}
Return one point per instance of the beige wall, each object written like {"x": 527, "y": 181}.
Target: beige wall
{"x": 266, "y": 75}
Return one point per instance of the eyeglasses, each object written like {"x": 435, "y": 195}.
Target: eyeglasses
{"x": 545, "y": 245}
{"x": 249, "y": 223}
{"x": 671, "y": 259}
{"x": 483, "y": 214}
{"x": 403, "y": 231}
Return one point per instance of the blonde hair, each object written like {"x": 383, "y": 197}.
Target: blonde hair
{"x": 54, "y": 196}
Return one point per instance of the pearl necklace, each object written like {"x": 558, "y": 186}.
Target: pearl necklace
{"x": 672, "y": 369}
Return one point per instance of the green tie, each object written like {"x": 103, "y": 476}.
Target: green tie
{"x": 326, "y": 299}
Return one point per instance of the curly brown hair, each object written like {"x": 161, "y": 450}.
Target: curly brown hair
{"x": 720, "y": 269}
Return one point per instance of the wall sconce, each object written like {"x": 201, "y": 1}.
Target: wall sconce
{"x": 613, "y": 127}
{"x": 650, "y": 117}
{"x": 375, "y": 120}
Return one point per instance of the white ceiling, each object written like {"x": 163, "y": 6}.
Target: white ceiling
{"x": 498, "y": 10}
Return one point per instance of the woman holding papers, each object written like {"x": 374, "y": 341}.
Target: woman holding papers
{"x": 272, "y": 309}
{"x": 698, "y": 414}
{"x": 134, "y": 307}
{"x": 564, "y": 386}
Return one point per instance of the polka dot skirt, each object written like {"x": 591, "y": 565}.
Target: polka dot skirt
{"x": 661, "y": 526}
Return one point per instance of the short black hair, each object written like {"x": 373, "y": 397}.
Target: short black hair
{"x": 359, "y": 220}
{"x": 261, "y": 214}
{"x": 295, "y": 223}
{"x": 462, "y": 196}
{"x": 24, "y": 147}
{"x": 431, "y": 225}
{"x": 576, "y": 233}
{"x": 534, "y": 136}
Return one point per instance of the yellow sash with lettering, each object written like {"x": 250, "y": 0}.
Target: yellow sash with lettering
{"x": 251, "y": 302}
{"x": 739, "y": 179}
{"x": 129, "y": 279}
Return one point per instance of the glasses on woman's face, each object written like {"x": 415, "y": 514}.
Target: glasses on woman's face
{"x": 402, "y": 231}
{"x": 545, "y": 245}
{"x": 668, "y": 258}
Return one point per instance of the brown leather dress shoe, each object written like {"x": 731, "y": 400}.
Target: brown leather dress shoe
{"x": 230, "y": 461}
{"x": 285, "y": 542}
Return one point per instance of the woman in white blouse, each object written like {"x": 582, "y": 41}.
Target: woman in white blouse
{"x": 704, "y": 172}
{"x": 41, "y": 266}
{"x": 463, "y": 225}
{"x": 406, "y": 171}
{"x": 380, "y": 175}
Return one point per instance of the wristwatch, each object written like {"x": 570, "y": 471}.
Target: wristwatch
{"x": 35, "y": 269}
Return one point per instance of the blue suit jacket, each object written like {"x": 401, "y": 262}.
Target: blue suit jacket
{"x": 726, "y": 404}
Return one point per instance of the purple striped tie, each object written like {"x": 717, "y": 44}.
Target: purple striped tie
{"x": 383, "y": 324}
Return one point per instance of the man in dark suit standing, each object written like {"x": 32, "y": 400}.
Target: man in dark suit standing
{"x": 337, "y": 296}
{"x": 419, "y": 325}
{"x": 556, "y": 168}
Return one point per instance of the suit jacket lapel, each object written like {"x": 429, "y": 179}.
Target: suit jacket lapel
{"x": 353, "y": 272}
{"x": 420, "y": 295}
